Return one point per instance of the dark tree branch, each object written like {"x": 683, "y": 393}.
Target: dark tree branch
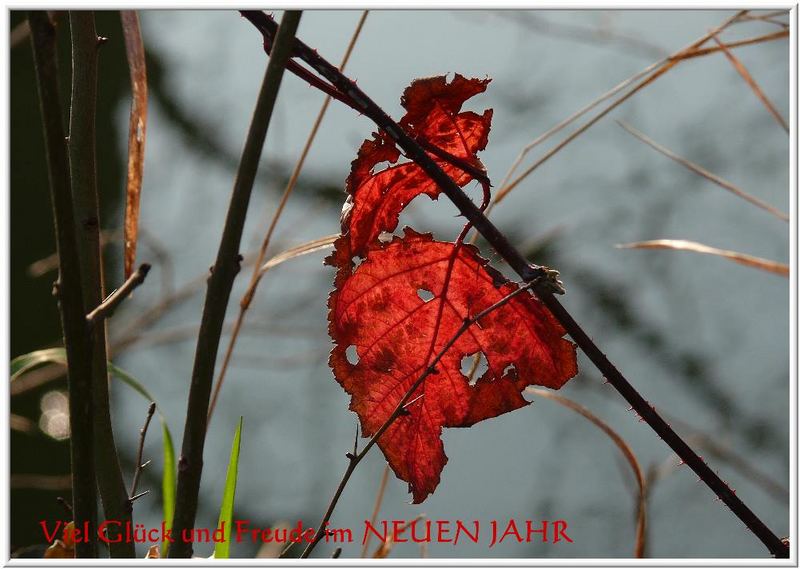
{"x": 77, "y": 336}
{"x": 364, "y": 105}
{"x": 226, "y": 267}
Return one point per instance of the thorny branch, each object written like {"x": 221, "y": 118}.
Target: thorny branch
{"x": 347, "y": 88}
{"x": 139, "y": 464}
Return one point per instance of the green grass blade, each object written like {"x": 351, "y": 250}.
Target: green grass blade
{"x": 25, "y": 363}
{"x": 222, "y": 550}
{"x": 167, "y": 482}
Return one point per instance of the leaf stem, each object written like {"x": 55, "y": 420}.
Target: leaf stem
{"x": 223, "y": 273}
{"x": 77, "y": 337}
{"x": 266, "y": 25}
{"x": 357, "y": 457}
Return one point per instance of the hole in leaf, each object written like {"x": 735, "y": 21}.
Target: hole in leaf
{"x": 424, "y": 294}
{"x": 352, "y": 355}
{"x": 510, "y": 368}
{"x": 474, "y": 366}
{"x": 385, "y": 237}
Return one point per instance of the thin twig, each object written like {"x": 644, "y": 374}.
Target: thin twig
{"x": 107, "y": 307}
{"x": 376, "y": 509}
{"x": 742, "y": 70}
{"x": 139, "y": 465}
{"x": 625, "y": 449}
{"x": 700, "y": 171}
{"x": 226, "y": 267}
{"x": 385, "y": 548}
{"x": 671, "y": 62}
{"x": 77, "y": 336}
{"x": 399, "y": 409}
{"x": 83, "y": 166}
{"x": 255, "y": 278}
{"x": 738, "y": 43}
{"x": 768, "y": 265}
{"x": 684, "y": 54}
{"x": 529, "y": 273}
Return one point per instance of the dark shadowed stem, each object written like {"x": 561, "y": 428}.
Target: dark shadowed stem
{"x": 223, "y": 273}
{"x": 107, "y": 307}
{"x": 82, "y": 158}
{"x": 77, "y": 338}
{"x": 400, "y": 409}
{"x": 527, "y": 272}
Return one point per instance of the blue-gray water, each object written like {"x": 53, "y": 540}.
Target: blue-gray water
{"x": 704, "y": 339}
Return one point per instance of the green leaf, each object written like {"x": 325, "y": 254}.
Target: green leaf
{"x": 25, "y": 363}
{"x": 167, "y": 483}
{"x": 222, "y": 550}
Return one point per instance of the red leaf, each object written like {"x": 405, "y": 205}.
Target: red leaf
{"x": 432, "y": 105}
{"x": 407, "y": 299}
{"x": 377, "y": 309}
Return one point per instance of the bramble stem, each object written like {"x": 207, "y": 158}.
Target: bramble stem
{"x": 223, "y": 273}
{"x": 77, "y": 337}
{"x": 413, "y": 151}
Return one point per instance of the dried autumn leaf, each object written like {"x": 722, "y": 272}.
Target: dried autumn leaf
{"x": 399, "y": 308}
{"x": 432, "y": 117}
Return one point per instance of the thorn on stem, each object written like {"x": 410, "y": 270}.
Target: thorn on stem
{"x": 137, "y": 496}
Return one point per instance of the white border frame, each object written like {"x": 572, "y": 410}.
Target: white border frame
{"x": 451, "y": 562}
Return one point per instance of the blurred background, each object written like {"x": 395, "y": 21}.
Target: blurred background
{"x": 705, "y": 340}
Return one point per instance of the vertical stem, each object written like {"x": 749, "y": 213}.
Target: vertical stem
{"x": 77, "y": 338}
{"x": 224, "y": 271}
{"x": 83, "y": 168}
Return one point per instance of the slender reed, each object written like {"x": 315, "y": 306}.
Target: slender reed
{"x": 255, "y": 278}
{"x": 223, "y": 273}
